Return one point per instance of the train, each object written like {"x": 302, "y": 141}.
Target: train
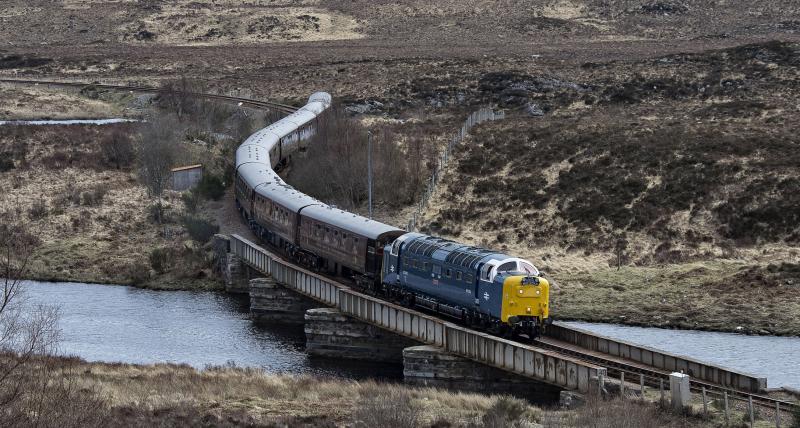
{"x": 479, "y": 287}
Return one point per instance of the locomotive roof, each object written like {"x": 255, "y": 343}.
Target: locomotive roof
{"x": 348, "y": 221}
{"x": 449, "y": 251}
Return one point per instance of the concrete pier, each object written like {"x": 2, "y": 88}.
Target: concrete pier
{"x": 236, "y": 276}
{"x": 433, "y": 366}
{"x": 329, "y": 333}
{"x": 270, "y": 302}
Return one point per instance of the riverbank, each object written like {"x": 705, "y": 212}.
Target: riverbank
{"x": 178, "y": 395}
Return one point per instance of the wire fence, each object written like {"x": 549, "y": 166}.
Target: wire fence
{"x": 736, "y": 408}
{"x": 484, "y": 114}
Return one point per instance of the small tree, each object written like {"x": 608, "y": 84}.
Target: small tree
{"x": 24, "y": 332}
{"x": 117, "y": 149}
{"x": 157, "y": 151}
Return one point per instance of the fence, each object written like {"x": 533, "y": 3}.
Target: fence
{"x": 737, "y": 408}
{"x": 477, "y": 117}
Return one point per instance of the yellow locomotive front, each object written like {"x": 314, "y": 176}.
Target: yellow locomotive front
{"x": 526, "y": 304}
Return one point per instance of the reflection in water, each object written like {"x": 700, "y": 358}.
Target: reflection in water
{"x": 116, "y": 323}
{"x": 777, "y": 358}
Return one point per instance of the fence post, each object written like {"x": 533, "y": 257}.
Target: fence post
{"x": 679, "y": 390}
{"x": 777, "y": 415}
{"x": 727, "y": 419}
{"x": 622, "y": 385}
{"x": 750, "y": 409}
{"x": 641, "y": 385}
{"x": 705, "y": 402}
{"x": 661, "y": 389}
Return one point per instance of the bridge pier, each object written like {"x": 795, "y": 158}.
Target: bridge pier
{"x": 270, "y": 302}
{"x": 329, "y": 333}
{"x": 235, "y": 274}
{"x": 434, "y": 367}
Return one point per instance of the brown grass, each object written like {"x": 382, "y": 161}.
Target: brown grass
{"x": 178, "y": 395}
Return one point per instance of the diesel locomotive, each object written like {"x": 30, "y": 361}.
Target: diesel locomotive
{"x": 480, "y": 287}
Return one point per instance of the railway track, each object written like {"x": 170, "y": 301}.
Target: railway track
{"x": 270, "y": 105}
{"x": 648, "y": 375}
{"x": 655, "y": 377}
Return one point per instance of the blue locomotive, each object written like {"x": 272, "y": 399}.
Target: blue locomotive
{"x": 481, "y": 287}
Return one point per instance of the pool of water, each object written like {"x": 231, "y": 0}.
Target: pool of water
{"x": 67, "y": 122}
{"x": 776, "y": 358}
{"x": 127, "y": 324}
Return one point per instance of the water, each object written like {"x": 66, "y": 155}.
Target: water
{"x": 67, "y": 122}
{"x": 115, "y": 323}
{"x": 126, "y": 324}
{"x": 776, "y": 358}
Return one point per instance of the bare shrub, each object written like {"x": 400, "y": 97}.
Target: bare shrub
{"x": 618, "y": 413}
{"x": 386, "y": 407}
{"x": 157, "y": 150}
{"x": 190, "y": 201}
{"x": 201, "y": 230}
{"x": 336, "y": 165}
{"x": 796, "y": 418}
{"x": 117, "y": 149}
{"x": 6, "y": 162}
{"x": 505, "y": 412}
{"x": 210, "y": 187}
{"x": 83, "y": 219}
{"x": 94, "y": 196}
{"x": 30, "y": 392}
{"x": 159, "y": 259}
{"x": 38, "y": 209}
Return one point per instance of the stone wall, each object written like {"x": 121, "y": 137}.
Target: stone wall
{"x": 432, "y": 366}
{"x": 270, "y": 302}
{"x": 331, "y": 334}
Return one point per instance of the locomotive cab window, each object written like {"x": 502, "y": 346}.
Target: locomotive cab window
{"x": 448, "y": 273}
{"x": 437, "y": 269}
{"x": 458, "y": 275}
{"x": 507, "y": 267}
{"x": 425, "y": 266}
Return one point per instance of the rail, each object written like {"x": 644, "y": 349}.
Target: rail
{"x": 525, "y": 360}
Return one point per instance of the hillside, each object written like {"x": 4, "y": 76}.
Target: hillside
{"x": 649, "y": 154}
{"x": 682, "y": 169}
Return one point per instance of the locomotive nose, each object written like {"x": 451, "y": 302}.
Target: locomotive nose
{"x": 527, "y": 296}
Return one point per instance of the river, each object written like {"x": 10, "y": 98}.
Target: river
{"x": 117, "y": 323}
{"x": 127, "y": 324}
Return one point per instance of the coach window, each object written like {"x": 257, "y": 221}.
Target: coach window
{"x": 327, "y": 234}
{"x": 468, "y": 278}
